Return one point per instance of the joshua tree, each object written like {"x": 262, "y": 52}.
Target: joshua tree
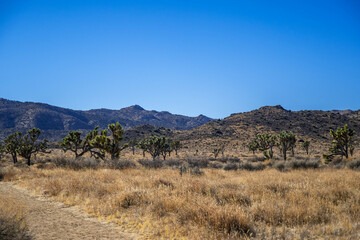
{"x": 176, "y": 145}
{"x": 342, "y": 143}
{"x": 351, "y": 150}
{"x": 30, "y": 145}
{"x": 73, "y": 142}
{"x": 12, "y": 144}
{"x": 166, "y": 148}
{"x": 110, "y": 144}
{"x": 143, "y": 146}
{"x": 286, "y": 142}
{"x": 155, "y": 146}
{"x": 218, "y": 150}
{"x": 252, "y": 146}
{"x": 305, "y": 145}
{"x": 132, "y": 144}
{"x": 265, "y": 143}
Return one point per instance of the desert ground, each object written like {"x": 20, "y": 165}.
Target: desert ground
{"x": 188, "y": 196}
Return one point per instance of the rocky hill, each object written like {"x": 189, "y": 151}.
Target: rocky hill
{"x": 242, "y": 127}
{"x": 55, "y": 122}
{"x": 238, "y": 128}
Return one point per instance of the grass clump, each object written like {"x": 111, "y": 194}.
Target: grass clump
{"x": 252, "y": 166}
{"x": 12, "y": 220}
{"x": 154, "y": 164}
{"x": 354, "y": 164}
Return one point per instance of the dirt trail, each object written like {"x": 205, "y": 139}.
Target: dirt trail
{"x": 49, "y": 219}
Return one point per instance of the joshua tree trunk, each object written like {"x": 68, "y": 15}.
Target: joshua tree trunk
{"x": 14, "y": 156}
{"x": 284, "y": 154}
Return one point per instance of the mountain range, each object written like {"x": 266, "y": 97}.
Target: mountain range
{"x": 55, "y": 122}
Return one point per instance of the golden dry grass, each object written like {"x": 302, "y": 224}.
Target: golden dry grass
{"x": 12, "y": 219}
{"x": 319, "y": 204}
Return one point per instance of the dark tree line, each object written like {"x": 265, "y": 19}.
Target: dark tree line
{"x": 110, "y": 141}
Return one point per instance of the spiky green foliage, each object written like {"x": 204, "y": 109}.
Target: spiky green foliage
{"x": 110, "y": 144}
{"x": 156, "y": 146}
{"x": 12, "y": 144}
{"x": 166, "y": 148}
{"x": 342, "y": 143}
{"x": 176, "y": 145}
{"x": 286, "y": 142}
{"x": 305, "y": 145}
{"x": 252, "y": 146}
{"x": 73, "y": 142}
{"x": 30, "y": 145}
{"x": 265, "y": 143}
{"x": 143, "y": 146}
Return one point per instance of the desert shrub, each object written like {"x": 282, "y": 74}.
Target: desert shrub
{"x": 354, "y": 164}
{"x": 279, "y": 165}
{"x": 200, "y": 163}
{"x": 7, "y": 173}
{"x": 231, "y": 166}
{"x": 196, "y": 171}
{"x": 76, "y": 164}
{"x": 134, "y": 198}
{"x": 216, "y": 165}
{"x": 186, "y": 169}
{"x": 12, "y": 220}
{"x": 303, "y": 164}
{"x": 252, "y": 166}
{"x": 151, "y": 163}
{"x": 231, "y": 197}
{"x": 233, "y": 160}
{"x": 173, "y": 162}
{"x": 121, "y": 164}
{"x": 256, "y": 159}
{"x": 223, "y": 160}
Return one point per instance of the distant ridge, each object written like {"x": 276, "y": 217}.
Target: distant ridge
{"x": 20, "y": 116}
{"x": 308, "y": 124}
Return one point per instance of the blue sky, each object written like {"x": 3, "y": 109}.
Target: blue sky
{"x": 188, "y": 57}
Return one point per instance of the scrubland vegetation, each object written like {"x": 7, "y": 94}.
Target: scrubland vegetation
{"x": 203, "y": 197}
{"x": 218, "y": 204}
{"x": 12, "y": 219}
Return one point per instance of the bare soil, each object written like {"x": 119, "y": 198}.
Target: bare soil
{"x": 49, "y": 219}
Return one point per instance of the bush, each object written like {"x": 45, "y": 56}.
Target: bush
{"x": 196, "y": 171}
{"x": 7, "y": 173}
{"x": 303, "y": 164}
{"x": 121, "y": 164}
{"x": 76, "y": 164}
{"x": 173, "y": 162}
{"x": 12, "y": 221}
{"x": 354, "y": 164}
{"x": 252, "y": 166}
{"x": 256, "y": 159}
{"x": 231, "y": 166}
{"x": 216, "y": 165}
{"x": 280, "y": 165}
{"x": 151, "y": 163}
{"x": 233, "y": 160}
{"x": 200, "y": 163}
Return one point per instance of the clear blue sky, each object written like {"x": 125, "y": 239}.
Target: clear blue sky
{"x": 188, "y": 57}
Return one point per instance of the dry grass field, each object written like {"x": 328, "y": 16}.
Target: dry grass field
{"x": 321, "y": 203}
{"x": 12, "y": 219}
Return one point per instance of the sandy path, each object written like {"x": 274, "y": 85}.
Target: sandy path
{"x": 49, "y": 219}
